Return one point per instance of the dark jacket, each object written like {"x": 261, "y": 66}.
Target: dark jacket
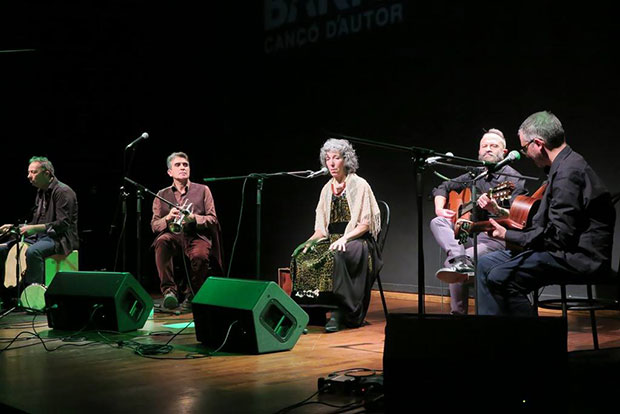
{"x": 575, "y": 220}
{"x": 57, "y": 208}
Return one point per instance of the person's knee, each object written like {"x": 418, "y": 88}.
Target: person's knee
{"x": 497, "y": 281}
{"x": 164, "y": 242}
{"x": 200, "y": 258}
{"x": 439, "y": 222}
{"x": 33, "y": 254}
{"x": 484, "y": 265}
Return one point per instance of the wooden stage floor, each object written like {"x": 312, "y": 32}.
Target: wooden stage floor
{"x": 91, "y": 373}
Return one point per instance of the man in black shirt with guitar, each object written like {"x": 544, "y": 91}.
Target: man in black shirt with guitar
{"x": 496, "y": 193}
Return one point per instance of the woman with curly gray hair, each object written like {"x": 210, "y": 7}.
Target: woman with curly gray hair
{"x": 334, "y": 269}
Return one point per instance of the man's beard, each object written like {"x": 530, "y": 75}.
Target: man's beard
{"x": 490, "y": 158}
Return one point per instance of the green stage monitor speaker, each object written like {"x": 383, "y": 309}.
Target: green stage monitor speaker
{"x": 483, "y": 364}
{"x": 111, "y": 301}
{"x": 247, "y": 316}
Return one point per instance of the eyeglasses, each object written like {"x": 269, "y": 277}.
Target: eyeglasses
{"x": 523, "y": 149}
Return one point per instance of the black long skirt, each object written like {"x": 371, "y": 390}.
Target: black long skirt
{"x": 337, "y": 280}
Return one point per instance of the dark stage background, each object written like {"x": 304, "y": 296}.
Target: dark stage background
{"x": 242, "y": 93}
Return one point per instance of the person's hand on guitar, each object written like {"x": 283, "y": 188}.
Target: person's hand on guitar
{"x": 490, "y": 204}
{"x": 5, "y": 229}
{"x": 487, "y": 203}
{"x": 498, "y": 232}
{"x": 30, "y": 229}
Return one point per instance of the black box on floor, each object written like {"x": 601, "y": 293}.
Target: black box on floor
{"x": 481, "y": 363}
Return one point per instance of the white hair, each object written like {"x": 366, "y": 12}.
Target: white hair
{"x": 175, "y": 155}
{"x": 346, "y": 151}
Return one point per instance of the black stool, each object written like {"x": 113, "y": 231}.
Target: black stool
{"x": 590, "y": 303}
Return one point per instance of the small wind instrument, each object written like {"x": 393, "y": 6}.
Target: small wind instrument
{"x": 176, "y": 225}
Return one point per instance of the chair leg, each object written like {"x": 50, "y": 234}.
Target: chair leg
{"x": 593, "y": 319}
{"x": 535, "y": 294}
{"x": 385, "y": 310}
{"x": 564, "y": 305}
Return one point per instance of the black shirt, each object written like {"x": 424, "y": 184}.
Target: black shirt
{"x": 575, "y": 220}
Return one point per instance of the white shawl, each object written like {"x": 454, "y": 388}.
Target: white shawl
{"x": 362, "y": 204}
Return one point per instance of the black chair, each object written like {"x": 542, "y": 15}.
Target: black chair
{"x": 384, "y": 209}
{"x": 590, "y": 303}
{"x": 385, "y": 224}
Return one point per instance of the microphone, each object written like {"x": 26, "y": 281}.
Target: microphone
{"x": 135, "y": 141}
{"x": 433, "y": 160}
{"x": 511, "y": 157}
{"x": 322, "y": 171}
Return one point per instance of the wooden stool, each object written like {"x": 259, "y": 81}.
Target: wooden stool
{"x": 284, "y": 279}
{"x": 60, "y": 263}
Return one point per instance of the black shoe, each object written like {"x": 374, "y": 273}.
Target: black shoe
{"x": 334, "y": 324}
{"x": 461, "y": 270}
{"x": 170, "y": 300}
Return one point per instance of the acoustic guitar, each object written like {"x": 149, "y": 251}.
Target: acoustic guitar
{"x": 520, "y": 215}
{"x": 462, "y": 205}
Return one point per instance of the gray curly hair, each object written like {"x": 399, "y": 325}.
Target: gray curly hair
{"x": 345, "y": 149}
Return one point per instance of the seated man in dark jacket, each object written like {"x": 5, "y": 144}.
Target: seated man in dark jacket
{"x": 53, "y": 228}
{"x": 571, "y": 233}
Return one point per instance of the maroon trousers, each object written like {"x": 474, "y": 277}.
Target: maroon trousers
{"x": 167, "y": 246}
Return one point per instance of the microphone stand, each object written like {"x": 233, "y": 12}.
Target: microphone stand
{"x": 474, "y": 197}
{"x": 139, "y": 198}
{"x": 143, "y": 189}
{"x": 419, "y": 156}
{"x": 122, "y": 200}
{"x": 260, "y": 178}
{"x": 123, "y": 194}
{"x": 18, "y": 270}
